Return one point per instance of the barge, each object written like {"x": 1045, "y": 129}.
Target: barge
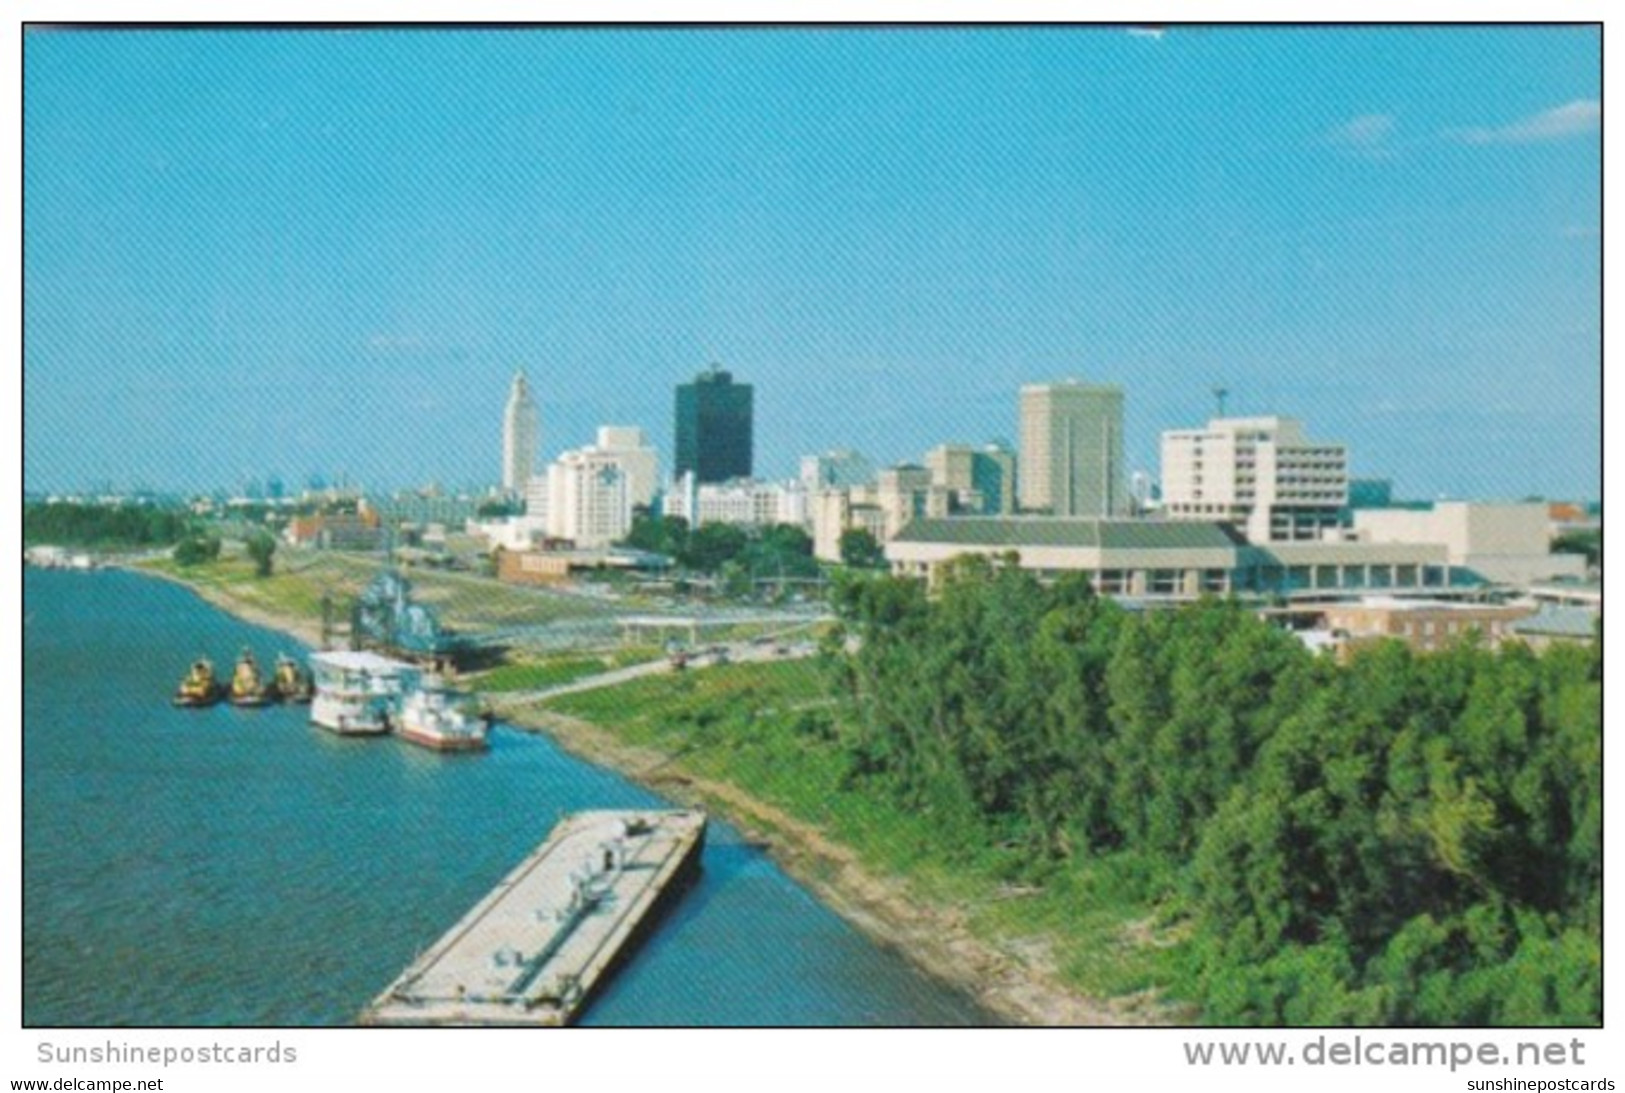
{"x": 532, "y": 951}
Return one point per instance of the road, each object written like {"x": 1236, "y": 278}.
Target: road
{"x": 736, "y": 653}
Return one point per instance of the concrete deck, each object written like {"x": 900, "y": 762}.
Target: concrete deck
{"x": 532, "y": 951}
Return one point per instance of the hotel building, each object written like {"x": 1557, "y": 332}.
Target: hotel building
{"x": 1261, "y": 473}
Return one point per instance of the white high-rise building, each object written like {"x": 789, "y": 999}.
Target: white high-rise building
{"x": 591, "y": 491}
{"x": 628, "y": 444}
{"x": 588, "y": 499}
{"x": 1072, "y": 450}
{"x": 1261, "y": 472}
{"x": 537, "y": 499}
{"x": 744, "y": 502}
{"x": 519, "y": 437}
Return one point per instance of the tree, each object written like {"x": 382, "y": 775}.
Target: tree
{"x": 713, "y": 545}
{"x": 787, "y": 539}
{"x": 860, "y": 550}
{"x": 781, "y": 551}
{"x": 666, "y": 535}
{"x": 196, "y": 550}
{"x": 1396, "y": 838}
{"x": 261, "y": 546}
{"x": 734, "y": 578}
{"x": 1136, "y": 700}
{"x": 1588, "y": 543}
{"x": 104, "y": 525}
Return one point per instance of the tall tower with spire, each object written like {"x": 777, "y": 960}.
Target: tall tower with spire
{"x": 519, "y": 430}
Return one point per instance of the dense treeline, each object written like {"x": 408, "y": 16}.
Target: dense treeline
{"x": 1405, "y": 838}
{"x": 1588, "y": 542}
{"x": 780, "y": 550}
{"x": 70, "y": 524}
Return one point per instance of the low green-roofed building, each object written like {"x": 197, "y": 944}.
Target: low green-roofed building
{"x": 1171, "y": 559}
{"x": 1075, "y": 532}
{"x": 1553, "y": 625}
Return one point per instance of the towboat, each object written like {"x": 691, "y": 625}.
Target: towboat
{"x": 248, "y": 686}
{"x": 199, "y": 688}
{"x": 292, "y": 684}
{"x": 434, "y": 717}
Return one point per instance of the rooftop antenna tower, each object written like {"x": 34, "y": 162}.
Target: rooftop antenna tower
{"x": 1219, "y": 395}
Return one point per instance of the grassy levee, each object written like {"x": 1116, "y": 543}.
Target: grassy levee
{"x": 1077, "y": 943}
{"x": 296, "y": 594}
{"x": 299, "y": 579}
{"x": 540, "y": 672}
{"x": 772, "y": 731}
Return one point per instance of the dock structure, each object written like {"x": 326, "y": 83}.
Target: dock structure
{"x": 533, "y": 950}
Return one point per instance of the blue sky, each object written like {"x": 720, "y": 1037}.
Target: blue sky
{"x": 252, "y": 252}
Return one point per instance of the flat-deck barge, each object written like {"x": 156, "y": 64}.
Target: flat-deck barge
{"x": 533, "y": 950}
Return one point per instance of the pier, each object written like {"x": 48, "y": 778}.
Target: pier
{"x": 533, "y": 950}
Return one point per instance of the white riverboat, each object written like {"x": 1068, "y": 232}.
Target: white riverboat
{"x": 359, "y": 693}
{"x": 434, "y": 717}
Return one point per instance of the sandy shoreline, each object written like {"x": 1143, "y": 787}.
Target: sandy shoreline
{"x": 1016, "y": 986}
{"x": 935, "y": 939}
{"x": 310, "y": 633}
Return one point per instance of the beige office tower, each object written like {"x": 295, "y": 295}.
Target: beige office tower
{"x": 977, "y": 481}
{"x": 1072, "y": 450}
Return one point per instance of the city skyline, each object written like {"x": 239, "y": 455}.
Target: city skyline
{"x": 327, "y": 265}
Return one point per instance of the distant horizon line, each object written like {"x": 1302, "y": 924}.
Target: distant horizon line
{"x": 493, "y": 490}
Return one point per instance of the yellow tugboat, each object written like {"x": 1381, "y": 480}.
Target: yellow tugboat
{"x": 248, "y": 687}
{"x": 292, "y": 685}
{"x": 199, "y": 688}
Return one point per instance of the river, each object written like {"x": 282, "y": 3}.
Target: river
{"x": 240, "y": 867}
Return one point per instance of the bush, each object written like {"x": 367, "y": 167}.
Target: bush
{"x": 261, "y": 547}
{"x": 196, "y": 550}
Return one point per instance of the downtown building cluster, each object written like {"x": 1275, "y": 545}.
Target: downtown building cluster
{"x": 1246, "y": 505}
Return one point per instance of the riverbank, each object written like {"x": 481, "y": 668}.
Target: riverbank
{"x": 1019, "y": 987}
{"x": 307, "y": 631}
{"x": 250, "y": 811}
{"x": 1016, "y": 977}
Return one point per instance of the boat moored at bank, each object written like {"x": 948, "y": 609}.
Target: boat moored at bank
{"x": 359, "y": 693}
{"x": 248, "y": 686}
{"x": 434, "y": 717}
{"x": 537, "y": 947}
{"x": 200, "y": 687}
{"x": 292, "y": 683}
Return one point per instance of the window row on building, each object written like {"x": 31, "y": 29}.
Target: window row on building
{"x": 1172, "y": 559}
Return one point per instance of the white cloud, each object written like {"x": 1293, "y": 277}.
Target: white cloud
{"x": 1369, "y": 134}
{"x": 1559, "y": 123}
{"x": 394, "y": 343}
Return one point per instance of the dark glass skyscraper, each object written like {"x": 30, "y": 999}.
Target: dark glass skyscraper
{"x": 714, "y": 427}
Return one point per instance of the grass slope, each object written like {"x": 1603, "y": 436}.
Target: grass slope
{"x": 773, "y": 731}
